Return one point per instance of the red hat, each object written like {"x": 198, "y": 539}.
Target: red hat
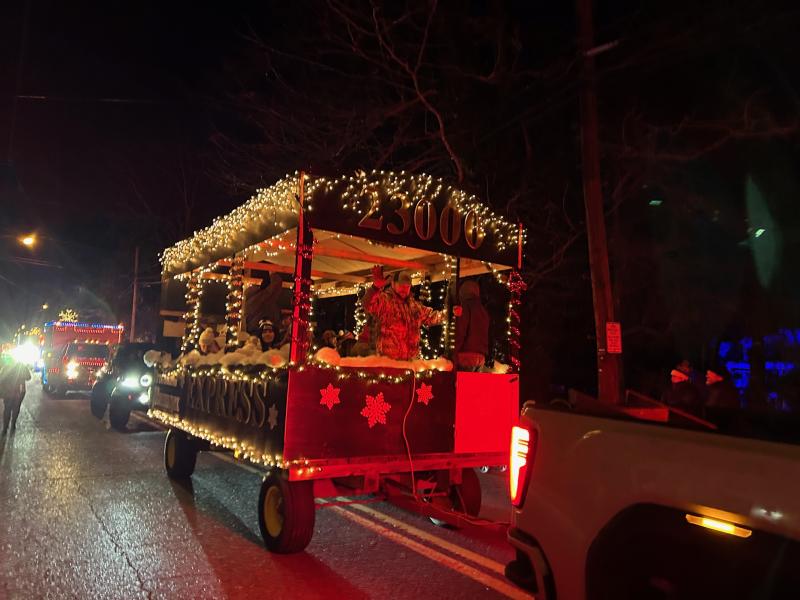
{"x": 678, "y": 376}
{"x": 712, "y": 378}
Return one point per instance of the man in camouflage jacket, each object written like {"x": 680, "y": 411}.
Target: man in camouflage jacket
{"x": 398, "y": 316}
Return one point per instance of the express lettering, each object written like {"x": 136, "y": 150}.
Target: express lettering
{"x": 244, "y": 401}
{"x": 423, "y": 217}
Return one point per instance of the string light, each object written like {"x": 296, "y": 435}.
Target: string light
{"x": 240, "y": 449}
{"x": 233, "y": 306}
{"x": 275, "y": 209}
{"x": 517, "y": 287}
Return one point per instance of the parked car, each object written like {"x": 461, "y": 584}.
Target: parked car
{"x": 608, "y": 506}
{"x": 124, "y": 385}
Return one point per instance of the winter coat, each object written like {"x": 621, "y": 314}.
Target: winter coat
{"x": 472, "y": 327}
{"x": 12, "y": 380}
{"x": 398, "y": 322}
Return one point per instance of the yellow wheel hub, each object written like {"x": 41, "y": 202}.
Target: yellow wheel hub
{"x": 273, "y": 516}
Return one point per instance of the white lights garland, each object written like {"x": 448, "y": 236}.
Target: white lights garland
{"x": 277, "y": 206}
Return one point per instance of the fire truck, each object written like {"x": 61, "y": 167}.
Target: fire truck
{"x": 73, "y": 353}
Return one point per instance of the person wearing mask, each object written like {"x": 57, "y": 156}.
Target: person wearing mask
{"x": 472, "y": 328}
{"x": 13, "y": 376}
{"x": 398, "y": 315}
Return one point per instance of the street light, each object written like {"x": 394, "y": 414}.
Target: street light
{"x": 28, "y": 240}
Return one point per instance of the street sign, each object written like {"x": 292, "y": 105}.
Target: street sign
{"x": 613, "y": 337}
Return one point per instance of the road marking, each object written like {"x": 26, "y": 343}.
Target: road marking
{"x": 443, "y": 559}
{"x": 474, "y": 557}
{"x": 229, "y": 459}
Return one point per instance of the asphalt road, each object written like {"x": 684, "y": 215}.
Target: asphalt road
{"x": 87, "y": 512}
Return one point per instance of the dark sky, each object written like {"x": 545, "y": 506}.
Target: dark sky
{"x": 110, "y": 97}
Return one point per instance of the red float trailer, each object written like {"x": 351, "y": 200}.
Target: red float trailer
{"x": 319, "y": 424}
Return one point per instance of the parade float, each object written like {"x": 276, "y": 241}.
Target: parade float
{"x": 320, "y": 424}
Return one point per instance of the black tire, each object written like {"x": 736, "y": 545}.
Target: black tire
{"x": 286, "y": 513}
{"x": 98, "y": 401}
{"x": 61, "y": 391}
{"x": 118, "y": 415}
{"x": 464, "y": 497}
{"x": 180, "y": 454}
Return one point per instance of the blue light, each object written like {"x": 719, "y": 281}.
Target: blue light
{"x": 85, "y": 325}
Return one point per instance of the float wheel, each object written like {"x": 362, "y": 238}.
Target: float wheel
{"x": 180, "y": 454}
{"x": 464, "y": 497}
{"x": 286, "y": 513}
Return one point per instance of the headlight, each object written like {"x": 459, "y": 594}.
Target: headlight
{"x": 27, "y": 353}
{"x": 72, "y": 370}
{"x": 130, "y": 382}
{"x": 144, "y": 398}
{"x": 146, "y": 380}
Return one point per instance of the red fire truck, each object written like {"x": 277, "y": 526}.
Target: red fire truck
{"x": 73, "y": 353}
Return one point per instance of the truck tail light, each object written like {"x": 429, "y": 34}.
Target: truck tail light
{"x": 523, "y": 444}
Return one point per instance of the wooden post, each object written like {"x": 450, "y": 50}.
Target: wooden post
{"x": 302, "y": 282}
{"x": 608, "y": 365}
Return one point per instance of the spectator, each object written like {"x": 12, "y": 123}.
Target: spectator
{"x": 13, "y": 376}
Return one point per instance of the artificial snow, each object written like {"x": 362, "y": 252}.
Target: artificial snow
{"x": 331, "y": 357}
{"x": 154, "y": 357}
{"x": 499, "y": 367}
{"x": 249, "y": 354}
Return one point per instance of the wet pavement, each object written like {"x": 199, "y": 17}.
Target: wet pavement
{"x": 88, "y": 512}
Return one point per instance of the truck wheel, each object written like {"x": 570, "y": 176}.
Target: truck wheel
{"x": 286, "y": 513}
{"x": 180, "y": 454}
{"x": 98, "y": 401}
{"x": 118, "y": 416}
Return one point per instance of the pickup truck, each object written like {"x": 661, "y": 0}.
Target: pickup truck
{"x": 610, "y": 506}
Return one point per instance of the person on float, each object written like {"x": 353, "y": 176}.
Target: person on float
{"x": 329, "y": 338}
{"x": 472, "y": 328}
{"x": 264, "y": 303}
{"x": 268, "y": 336}
{"x": 207, "y": 344}
{"x": 398, "y": 315}
{"x": 345, "y": 343}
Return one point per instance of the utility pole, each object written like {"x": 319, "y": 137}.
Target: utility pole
{"x": 132, "y": 335}
{"x": 609, "y": 365}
